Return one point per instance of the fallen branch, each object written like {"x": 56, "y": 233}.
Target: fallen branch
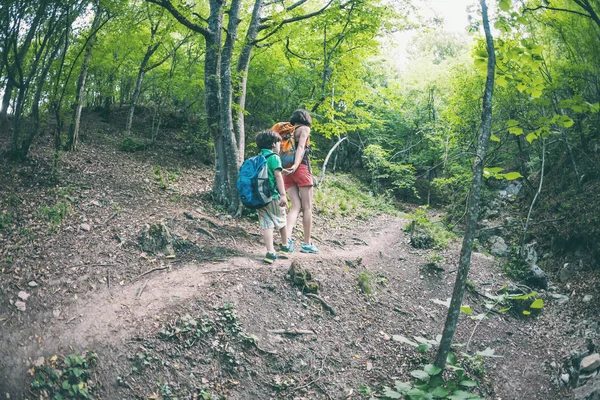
{"x": 293, "y": 331}
{"x": 206, "y": 232}
{"x": 359, "y": 240}
{"x": 323, "y": 302}
{"x": 149, "y": 272}
{"x": 111, "y": 217}
{"x": 141, "y": 290}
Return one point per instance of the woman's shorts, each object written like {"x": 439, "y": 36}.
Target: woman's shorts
{"x": 301, "y": 177}
{"x": 271, "y": 216}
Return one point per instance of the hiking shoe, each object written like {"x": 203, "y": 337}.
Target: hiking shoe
{"x": 309, "y": 248}
{"x": 270, "y": 257}
{"x": 287, "y": 249}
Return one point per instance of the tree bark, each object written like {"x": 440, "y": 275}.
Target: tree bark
{"x": 467, "y": 244}
{"x": 78, "y": 105}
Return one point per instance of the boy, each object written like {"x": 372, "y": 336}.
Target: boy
{"x": 273, "y": 215}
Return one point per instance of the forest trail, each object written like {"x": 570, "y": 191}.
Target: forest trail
{"x": 74, "y": 308}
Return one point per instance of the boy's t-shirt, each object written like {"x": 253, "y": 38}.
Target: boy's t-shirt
{"x": 273, "y": 164}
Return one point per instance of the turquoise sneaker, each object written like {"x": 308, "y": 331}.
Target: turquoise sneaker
{"x": 287, "y": 249}
{"x": 270, "y": 257}
{"x": 309, "y": 248}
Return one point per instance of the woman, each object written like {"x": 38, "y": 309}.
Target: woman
{"x": 298, "y": 181}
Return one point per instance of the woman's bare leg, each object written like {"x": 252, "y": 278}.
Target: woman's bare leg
{"x": 306, "y": 193}
{"x": 292, "y": 215}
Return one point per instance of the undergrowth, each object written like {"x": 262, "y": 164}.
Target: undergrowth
{"x": 69, "y": 378}
{"x": 425, "y": 234}
{"x": 343, "y": 195}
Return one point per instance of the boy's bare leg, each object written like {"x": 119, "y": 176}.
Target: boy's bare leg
{"x": 268, "y": 238}
{"x": 306, "y": 193}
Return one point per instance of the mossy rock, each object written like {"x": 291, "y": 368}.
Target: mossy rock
{"x": 302, "y": 278}
{"x": 156, "y": 238}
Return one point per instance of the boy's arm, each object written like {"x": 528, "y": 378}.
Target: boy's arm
{"x": 280, "y": 188}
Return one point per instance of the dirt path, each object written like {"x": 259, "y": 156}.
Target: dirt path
{"x": 71, "y": 308}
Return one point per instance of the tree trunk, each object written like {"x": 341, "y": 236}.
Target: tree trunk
{"x": 78, "y": 105}
{"x": 467, "y": 245}
{"x": 242, "y": 79}
{"x": 231, "y": 148}
{"x": 15, "y": 67}
{"x": 138, "y": 83}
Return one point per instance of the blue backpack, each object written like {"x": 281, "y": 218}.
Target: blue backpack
{"x": 253, "y": 185}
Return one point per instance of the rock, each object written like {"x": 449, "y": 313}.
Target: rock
{"x": 23, "y": 295}
{"x": 567, "y": 272}
{"x": 95, "y": 203}
{"x": 565, "y": 378}
{"x": 531, "y": 256}
{"x": 514, "y": 188}
{"x": 146, "y": 180}
{"x": 56, "y": 313}
{"x": 156, "y": 238}
{"x": 587, "y": 298}
{"x": 498, "y": 247}
{"x": 32, "y": 284}
{"x": 85, "y": 227}
{"x": 559, "y": 298}
{"x": 537, "y": 278}
{"x": 590, "y": 363}
{"x": 20, "y": 306}
{"x": 589, "y": 391}
{"x": 302, "y": 278}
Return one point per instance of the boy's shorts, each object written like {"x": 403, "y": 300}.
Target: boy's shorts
{"x": 271, "y": 216}
{"x": 301, "y": 177}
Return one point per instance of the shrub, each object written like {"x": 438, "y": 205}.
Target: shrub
{"x": 131, "y": 144}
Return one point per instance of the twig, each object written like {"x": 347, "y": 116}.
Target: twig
{"x": 360, "y": 241}
{"x": 111, "y": 217}
{"x": 152, "y": 270}
{"x": 71, "y": 320}
{"x": 108, "y": 278}
{"x": 293, "y": 331}
{"x": 206, "y": 232}
{"x": 325, "y": 305}
{"x": 307, "y": 385}
{"x": 139, "y": 293}
{"x": 399, "y": 310}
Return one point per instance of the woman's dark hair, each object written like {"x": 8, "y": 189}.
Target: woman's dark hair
{"x": 265, "y": 139}
{"x": 301, "y": 117}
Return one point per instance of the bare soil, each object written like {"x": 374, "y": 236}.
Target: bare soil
{"x": 94, "y": 289}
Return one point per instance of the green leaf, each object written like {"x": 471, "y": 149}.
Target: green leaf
{"x": 402, "y": 387}
{"x": 391, "y": 394}
{"x": 494, "y": 138}
{"x": 531, "y": 137}
{"x": 515, "y": 130}
{"x": 511, "y": 176}
{"x": 525, "y": 312}
{"x": 420, "y": 374}
{"x": 521, "y": 87}
{"x": 504, "y": 5}
{"x": 566, "y": 121}
{"x": 436, "y": 381}
{"x": 512, "y": 122}
{"x": 460, "y": 395}
{"x": 66, "y": 385}
{"x": 503, "y": 310}
{"x": 466, "y": 309}
{"x": 440, "y": 392}
{"x": 538, "y": 303}
{"x": 467, "y": 383}
{"x": 451, "y": 359}
{"x": 432, "y": 369}
{"x": 536, "y": 93}
{"x": 423, "y": 348}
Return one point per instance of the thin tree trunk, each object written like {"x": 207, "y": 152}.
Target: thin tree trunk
{"x": 78, "y": 105}
{"x": 138, "y": 83}
{"x": 467, "y": 244}
{"x": 242, "y": 76}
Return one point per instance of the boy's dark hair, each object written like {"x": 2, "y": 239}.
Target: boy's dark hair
{"x": 265, "y": 139}
{"x": 301, "y": 117}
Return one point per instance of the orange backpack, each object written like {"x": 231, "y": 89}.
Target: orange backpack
{"x": 288, "y": 142}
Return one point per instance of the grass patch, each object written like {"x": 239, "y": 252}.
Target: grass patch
{"x": 425, "y": 234}
{"x": 342, "y": 195}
